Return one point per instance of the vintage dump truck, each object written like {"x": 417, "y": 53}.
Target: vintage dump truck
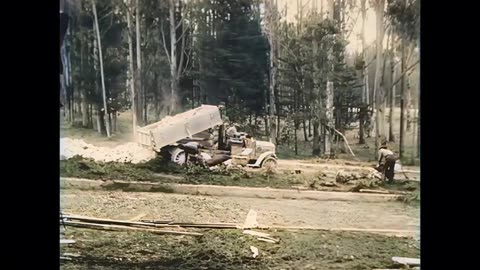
{"x": 204, "y": 127}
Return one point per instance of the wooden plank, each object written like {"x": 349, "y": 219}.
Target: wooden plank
{"x": 119, "y": 227}
{"x": 113, "y": 221}
{"x": 67, "y": 241}
{"x": 254, "y": 233}
{"x": 267, "y": 240}
{"x": 406, "y": 261}
{"x": 374, "y": 191}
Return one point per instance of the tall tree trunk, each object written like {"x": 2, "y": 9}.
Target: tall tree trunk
{"x": 139, "y": 87}
{"x": 317, "y": 108}
{"x": 391, "y": 136}
{"x": 101, "y": 65}
{"x": 362, "y": 117}
{"x": 272, "y": 39}
{"x": 402, "y": 99}
{"x": 379, "y": 93}
{"x": 83, "y": 89}
{"x": 365, "y": 90}
{"x": 329, "y": 91}
{"x": 304, "y": 124}
{"x": 132, "y": 70}
{"x": 316, "y": 138}
{"x": 418, "y": 120}
{"x": 173, "y": 56}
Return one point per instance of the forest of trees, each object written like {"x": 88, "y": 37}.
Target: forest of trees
{"x": 161, "y": 57}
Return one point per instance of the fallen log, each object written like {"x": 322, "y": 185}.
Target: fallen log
{"x": 119, "y": 227}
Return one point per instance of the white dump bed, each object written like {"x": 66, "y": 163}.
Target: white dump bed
{"x": 174, "y": 128}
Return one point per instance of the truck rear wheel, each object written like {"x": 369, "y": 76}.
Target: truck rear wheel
{"x": 178, "y": 156}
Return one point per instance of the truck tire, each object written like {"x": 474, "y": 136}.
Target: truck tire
{"x": 178, "y": 156}
{"x": 269, "y": 163}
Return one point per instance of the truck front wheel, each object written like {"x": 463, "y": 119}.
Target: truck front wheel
{"x": 269, "y": 163}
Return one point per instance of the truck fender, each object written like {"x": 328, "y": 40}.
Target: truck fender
{"x": 264, "y": 156}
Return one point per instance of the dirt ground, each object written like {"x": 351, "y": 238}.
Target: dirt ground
{"x": 389, "y": 215}
{"x": 230, "y": 249}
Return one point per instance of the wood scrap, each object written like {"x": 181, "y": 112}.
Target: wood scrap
{"x": 120, "y": 227}
{"x": 254, "y": 251}
{"x": 254, "y": 233}
{"x": 250, "y": 220}
{"x": 113, "y": 221}
{"x": 406, "y": 261}
{"x": 67, "y": 241}
{"x": 267, "y": 240}
{"x": 374, "y": 191}
{"x": 195, "y": 225}
{"x": 262, "y": 236}
{"x": 71, "y": 255}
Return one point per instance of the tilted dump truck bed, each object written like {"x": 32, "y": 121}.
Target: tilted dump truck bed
{"x": 171, "y": 129}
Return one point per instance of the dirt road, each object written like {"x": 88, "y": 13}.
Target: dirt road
{"x": 278, "y": 212}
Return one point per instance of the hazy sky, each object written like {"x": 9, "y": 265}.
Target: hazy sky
{"x": 355, "y": 43}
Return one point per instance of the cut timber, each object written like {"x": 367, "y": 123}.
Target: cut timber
{"x": 387, "y": 231}
{"x": 71, "y": 255}
{"x": 113, "y": 221}
{"x": 374, "y": 191}
{"x": 406, "y": 261}
{"x": 266, "y": 240}
{"x": 262, "y": 236}
{"x": 254, "y": 233}
{"x": 119, "y": 227}
{"x": 67, "y": 241}
{"x": 195, "y": 225}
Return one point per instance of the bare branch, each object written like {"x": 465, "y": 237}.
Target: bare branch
{"x": 125, "y": 6}
{"x": 405, "y": 72}
{"x": 183, "y": 33}
{"x": 162, "y": 33}
{"x": 182, "y": 53}
{"x": 188, "y": 62}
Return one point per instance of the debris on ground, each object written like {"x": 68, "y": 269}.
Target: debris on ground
{"x": 328, "y": 184}
{"x": 251, "y": 220}
{"x": 229, "y": 249}
{"x": 406, "y": 261}
{"x": 67, "y": 241}
{"x": 108, "y": 224}
{"x": 126, "y": 153}
{"x": 265, "y": 237}
{"x": 254, "y": 251}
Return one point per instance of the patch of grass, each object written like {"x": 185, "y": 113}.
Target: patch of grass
{"x": 230, "y": 249}
{"x": 411, "y": 199}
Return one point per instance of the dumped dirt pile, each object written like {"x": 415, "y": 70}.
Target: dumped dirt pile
{"x": 129, "y": 152}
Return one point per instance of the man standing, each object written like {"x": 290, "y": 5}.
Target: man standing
{"x": 390, "y": 159}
